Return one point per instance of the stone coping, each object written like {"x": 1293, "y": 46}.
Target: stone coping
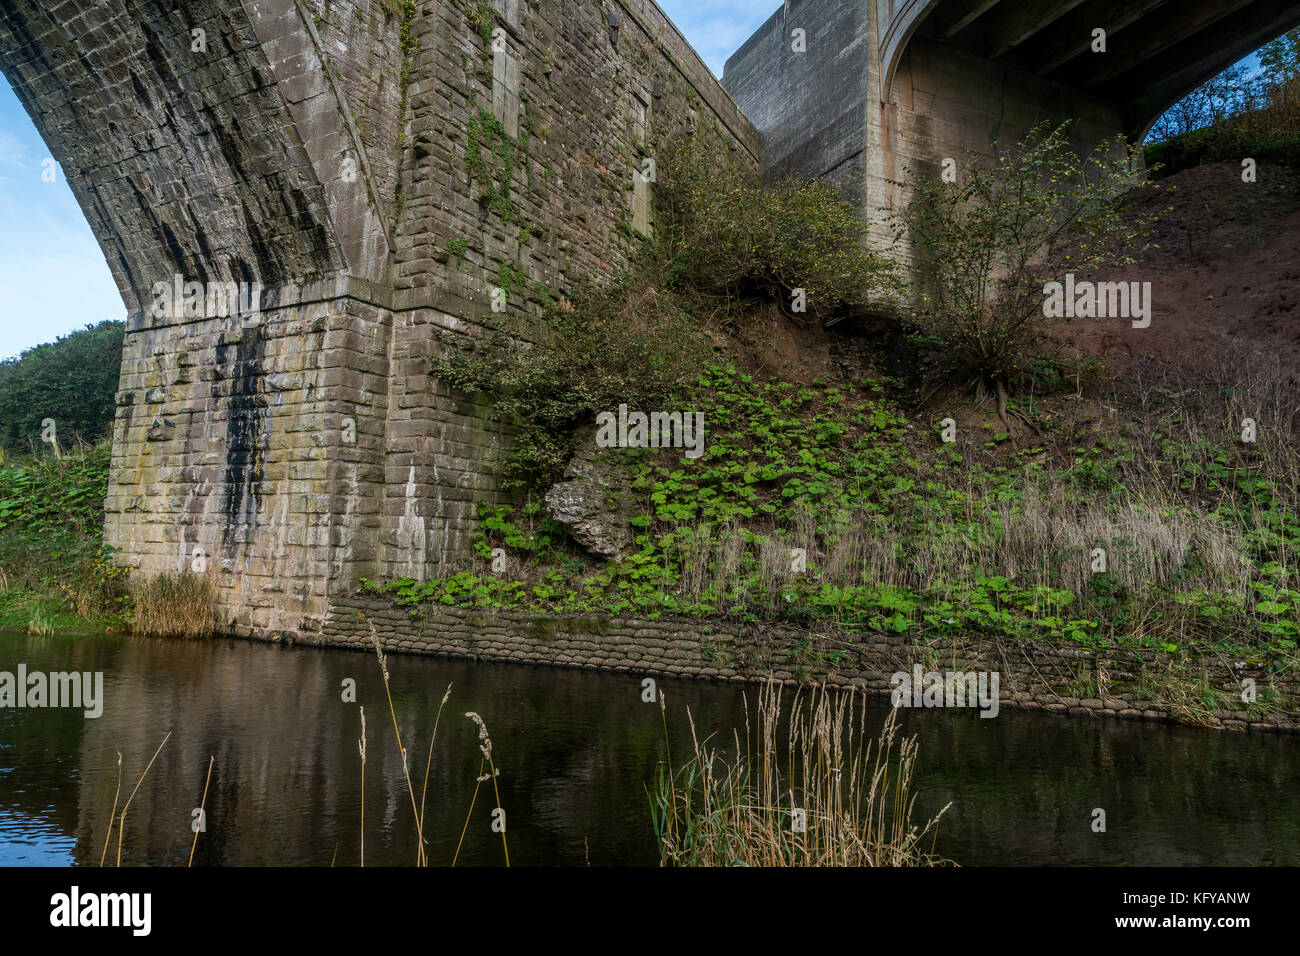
{"x": 1033, "y": 675}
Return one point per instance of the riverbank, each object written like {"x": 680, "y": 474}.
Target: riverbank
{"x": 713, "y": 604}
{"x": 1119, "y": 683}
{"x": 55, "y": 574}
{"x": 834, "y": 516}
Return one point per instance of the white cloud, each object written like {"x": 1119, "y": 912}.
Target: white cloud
{"x": 13, "y": 152}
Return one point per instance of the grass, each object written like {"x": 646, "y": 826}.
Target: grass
{"x": 56, "y": 575}
{"x": 827, "y": 794}
{"x": 174, "y": 604}
{"x": 53, "y": 565}
{"x": 41, "y": 625}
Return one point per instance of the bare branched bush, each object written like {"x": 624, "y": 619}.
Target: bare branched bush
{"x": 991, "y": 237}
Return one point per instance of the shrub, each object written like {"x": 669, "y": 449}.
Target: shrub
{"x": 990, "y": 240}
{"x": 617, "y": 345}
{"x": 725, "y": 233}
{"x": 724, "y": 241}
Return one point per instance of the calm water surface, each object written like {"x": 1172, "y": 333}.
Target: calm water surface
{"x": 575, "y": 750}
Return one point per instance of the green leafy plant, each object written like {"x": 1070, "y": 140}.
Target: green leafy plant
{"x": 724, "y": 233}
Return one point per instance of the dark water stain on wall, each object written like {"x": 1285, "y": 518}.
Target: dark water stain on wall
{"x": 247, "y": 432}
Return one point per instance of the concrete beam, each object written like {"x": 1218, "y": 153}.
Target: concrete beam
{"x": 1169, "y": 77}
{"x": 1012, "y": 24}
{"x": 1072, "y": 35}
{"x": 1153, "y": 36}
{"x": 957, "y": 15}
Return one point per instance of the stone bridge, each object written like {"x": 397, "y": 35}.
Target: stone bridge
{"x": 887, "y": 84}
{"x": 303, "y": 202}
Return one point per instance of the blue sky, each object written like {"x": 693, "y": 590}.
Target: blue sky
{"x": 717, "y": 28}
{"x": 53, "y": 277}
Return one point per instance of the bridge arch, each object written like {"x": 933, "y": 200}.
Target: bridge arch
{"x": 892, "y": 85}
{"x": 1156, "y": 51}
{"x": 380, "y": 170}
{"x": 181, "y": 134}
{"x": 898, "y": 20}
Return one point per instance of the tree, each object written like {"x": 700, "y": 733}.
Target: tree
{"x": 1229, "y": 93}
{"x": 1280, "y": 58}
{"x": 989, "y": 241}
{"x": 72, "y": 380}
{"x": 1236, "y": 91}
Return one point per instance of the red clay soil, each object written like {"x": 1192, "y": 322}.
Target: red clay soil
{"x": 1225, "y": 281}
{"x": 1225, "y": 284}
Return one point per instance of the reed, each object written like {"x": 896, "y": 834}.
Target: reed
{"x": 428, "y": 762}
{"x": 180, "y": 604}
{"x": 113, "y": 815}
{"x": 361, "y": 745}
{"x": 203, "y": 809}
{"x": 825, "y": 794}
{"x": 485, "y": 748}
{"x": 406, "y": 770}
{"x": 41, "y": 624}
{"x": 121, "y": 822}
{"x": 422, "y": 856}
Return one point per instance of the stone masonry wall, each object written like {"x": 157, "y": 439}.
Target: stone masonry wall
{"x": 375, "y": 169}
{"x": 526, "y": 125}
{"x": 520, "y": 173}
{"x": 230, "y": 454}
{"x": 1033, "y": 676}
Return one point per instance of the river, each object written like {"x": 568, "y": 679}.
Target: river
{"x": 575, "y": 750}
